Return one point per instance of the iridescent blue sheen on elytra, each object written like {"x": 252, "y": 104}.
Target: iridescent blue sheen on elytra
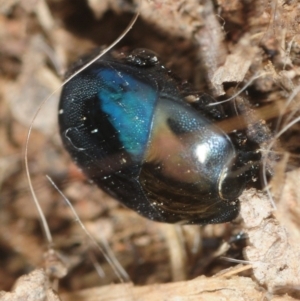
{"x": 131, "y": 118}
{"x": 125, "y": 122}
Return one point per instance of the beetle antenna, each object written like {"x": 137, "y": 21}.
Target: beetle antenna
{"x": 35, "y": 199}
{"x": 252, "y": 79}
{"x": 103, "y": 247}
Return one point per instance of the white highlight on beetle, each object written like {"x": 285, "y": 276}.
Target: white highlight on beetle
{"x": 202, "y": 152}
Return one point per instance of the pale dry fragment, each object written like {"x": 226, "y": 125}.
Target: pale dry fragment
{"x": 288, "y": 206}
{"x": 256, "y": 211}
{"x": 274, "y": 257}
{"x": 237, "y": 63}
{"x": 199, "y": 289}
{"x": 31, "y": 287}
{"x": 101, "y": 230}
{"x": 98, "y": 6}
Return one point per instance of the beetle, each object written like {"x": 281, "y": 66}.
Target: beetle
{"x": 126, "y": 123}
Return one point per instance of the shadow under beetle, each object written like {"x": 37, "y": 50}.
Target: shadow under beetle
{"x": 126, "y": 123}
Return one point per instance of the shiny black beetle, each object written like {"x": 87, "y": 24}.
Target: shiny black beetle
{"x": 126, "y": 123}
